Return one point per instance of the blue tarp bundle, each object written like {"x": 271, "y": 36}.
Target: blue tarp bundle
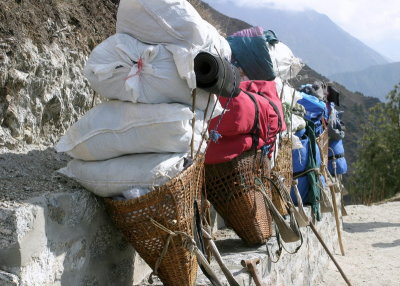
{"x": 252, "y": 55}
{"x": 300, "y": 161}
{"x": 315, "y": 110}
{"x": 336, "y": 151}
{"x": 308, "y": 158}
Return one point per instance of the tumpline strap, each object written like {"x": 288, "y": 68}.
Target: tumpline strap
{"x": 276, "y": 109}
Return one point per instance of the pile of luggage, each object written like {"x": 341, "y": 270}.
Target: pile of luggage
{"x": 138, "y": 147}
{"x": 141, "y": 137}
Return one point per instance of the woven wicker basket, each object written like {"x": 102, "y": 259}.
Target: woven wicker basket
{"x": 170, "y": 205}
{"x": 283, "y": 167}
{"x": 230, "y": 188}
{"x": 323, "y": 143}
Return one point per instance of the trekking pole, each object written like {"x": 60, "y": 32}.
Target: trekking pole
{"x": 312, "y": 226}
{"x": 336, "y": 212}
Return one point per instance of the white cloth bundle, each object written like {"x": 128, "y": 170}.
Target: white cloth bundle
{"x": 286, "y": 65}
{"x": 289, "y": 93}
{"x": 174, "y": 23}
{"x": 112, "y": 177}
{"x": 116, "y": 128}
{"x": 124, "y": 68}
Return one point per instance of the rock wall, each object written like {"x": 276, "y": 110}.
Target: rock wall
{"x": 43, "y": 48}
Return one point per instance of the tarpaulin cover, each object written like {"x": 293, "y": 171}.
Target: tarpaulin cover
{"x": 252, "y": 55}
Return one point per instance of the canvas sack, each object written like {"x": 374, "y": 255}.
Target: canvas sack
{"x": 111, "y": 177}
{"x": 124, "y": 68}
{"x": 116, "y": 128}
{"x": 286, "y": 65}
{"x": 177, "y": 25}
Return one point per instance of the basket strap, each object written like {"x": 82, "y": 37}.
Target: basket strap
{"x": 276, "y": 109}
{"x": 291, "y": 232}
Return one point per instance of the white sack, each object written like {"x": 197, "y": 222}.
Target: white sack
{"x": 174, "y": 23}
{"x": 116, "y": 128}
{"x": 286, "y": 65}
{"x": 124, "y": 68}
{"x": 289, "y": 93}
{"x": 298, "y": 123}
{"x": 296, "y": 142}
{"x": 111, "y": 177}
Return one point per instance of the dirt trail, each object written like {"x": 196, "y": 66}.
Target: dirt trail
{"x": 372, "y": 246}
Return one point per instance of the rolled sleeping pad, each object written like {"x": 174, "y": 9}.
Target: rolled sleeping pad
{"x": 216, "y": 75}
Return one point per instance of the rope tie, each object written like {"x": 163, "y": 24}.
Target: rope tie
{"x": 187, "y": 243}
{"x": 298, "y": 175}
{"x": 140, "y": 68}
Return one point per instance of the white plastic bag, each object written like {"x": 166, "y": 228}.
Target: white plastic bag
{"x": 111, "y": 177}
{"x": 174, "y": 23}
{"x": 116, "y": 128}
{"x": 124, "y": 68}
{"x": 286, "y": 65}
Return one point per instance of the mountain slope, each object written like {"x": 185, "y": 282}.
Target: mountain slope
{"x": 322, "y": 44}
{"x": 374, "y": 81}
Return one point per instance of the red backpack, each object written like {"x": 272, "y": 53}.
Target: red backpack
{"x": 256, "y": 111}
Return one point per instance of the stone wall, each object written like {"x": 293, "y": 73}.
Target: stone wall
{"x": 64, "y": 239}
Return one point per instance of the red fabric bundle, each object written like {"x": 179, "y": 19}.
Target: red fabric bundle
{"x": 229, "y": 147}
{"x": 236, "y": 125}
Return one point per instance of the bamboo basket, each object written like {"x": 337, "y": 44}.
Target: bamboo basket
{"x": 170, "y": 205}
{"x": 283, "y": 167}
{"x": 231, "y": 189}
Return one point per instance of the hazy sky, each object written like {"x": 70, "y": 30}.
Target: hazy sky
{"x": 376, "y": 23}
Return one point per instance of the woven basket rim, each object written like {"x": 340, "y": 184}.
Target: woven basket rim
{"x": 158, "y": 189}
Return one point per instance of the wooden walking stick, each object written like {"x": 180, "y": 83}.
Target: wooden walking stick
{"x": 336, "y": 212}
{"x": 218, "y": 258}
{"x": 312, "y": 226}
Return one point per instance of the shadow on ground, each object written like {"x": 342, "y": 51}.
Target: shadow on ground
{"x": 367, "y": 226}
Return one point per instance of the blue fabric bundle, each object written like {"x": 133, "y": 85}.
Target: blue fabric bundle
{"x": 315, "y": 111}
{"x": 336, "y": 151}
{"x": 300, "y": 161}
{"x": 252, "y": 55}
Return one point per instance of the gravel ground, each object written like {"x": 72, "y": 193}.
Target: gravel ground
{"x": 372, "y": 247}
{"x": 32, "y": 173}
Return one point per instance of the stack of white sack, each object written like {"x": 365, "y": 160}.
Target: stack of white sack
{"x": 141, "y": 138}
{"x": 286, "y": 65}
{"x": 123, "y": 68}
{"x": 177, "y": 25}
{"x": 120, "y": 145}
